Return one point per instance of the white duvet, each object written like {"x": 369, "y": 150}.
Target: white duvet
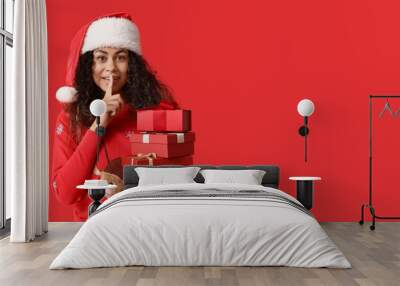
{"x": 200, "y": 231}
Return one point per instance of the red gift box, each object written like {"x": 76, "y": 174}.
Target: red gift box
{"x": 164, "y": 150}
{"x": 164, "y": 120}
{"x": 185, "y": 160}
{"x": 162, "y": 138}
{"x": 166, "y": 145}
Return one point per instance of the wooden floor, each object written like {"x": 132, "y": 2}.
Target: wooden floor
{"x": 375, "y": 257}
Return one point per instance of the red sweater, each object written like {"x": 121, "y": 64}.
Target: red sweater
{"x": 73, "y": 163}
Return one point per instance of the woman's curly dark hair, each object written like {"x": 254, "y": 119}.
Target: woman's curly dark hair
{"x": 142, "y": 90}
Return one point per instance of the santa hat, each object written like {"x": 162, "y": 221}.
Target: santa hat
{"x": 114, "y": 30}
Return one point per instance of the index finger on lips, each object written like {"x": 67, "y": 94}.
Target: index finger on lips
{"x": 110, "y": 86}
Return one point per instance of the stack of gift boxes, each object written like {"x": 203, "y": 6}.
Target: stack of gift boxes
{"x": 167, "y": 134}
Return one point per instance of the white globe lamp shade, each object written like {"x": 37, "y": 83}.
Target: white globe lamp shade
{"x": 305, "y": 107}
{"x": 98, "y": 107}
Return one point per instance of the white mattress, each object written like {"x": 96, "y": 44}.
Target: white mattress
{"x": 200, "y": 231}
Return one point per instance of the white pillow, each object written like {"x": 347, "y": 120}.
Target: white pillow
{"x": 163, "y": 176}
{"x": 248, "y": 177}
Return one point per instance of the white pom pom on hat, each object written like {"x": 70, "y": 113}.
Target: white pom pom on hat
{"x": 114, "y": 30}
{"x": 66, "y": 94}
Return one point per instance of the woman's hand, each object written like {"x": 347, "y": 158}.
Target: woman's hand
{"x": 111, "y": 179}
{"x": 114, "y": 104}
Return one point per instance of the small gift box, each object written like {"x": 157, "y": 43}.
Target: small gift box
{"x": 132, "y": 160}
{"x": 165, "y": 145}
{"x": 115, "y": 167}
{"x": 140, "y": 159}
{"x": 178, "y": 120}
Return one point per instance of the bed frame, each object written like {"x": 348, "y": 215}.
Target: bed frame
{"x": 270, "y": 179}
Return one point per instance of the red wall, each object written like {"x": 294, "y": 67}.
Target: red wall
{"x": 242, "y": 67}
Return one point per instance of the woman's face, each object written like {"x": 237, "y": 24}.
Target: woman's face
{"x": 110, "y": 61}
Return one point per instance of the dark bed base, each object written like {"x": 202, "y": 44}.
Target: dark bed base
{"x": 271, "y": 177}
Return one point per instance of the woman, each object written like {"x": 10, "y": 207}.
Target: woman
{"x": 105, "y": 62}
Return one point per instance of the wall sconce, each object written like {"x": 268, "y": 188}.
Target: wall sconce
{"x": 97, "y": 108}
{"x": 305, "y": 108}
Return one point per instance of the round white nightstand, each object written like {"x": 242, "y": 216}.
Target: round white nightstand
{"x": 305, "y": 190}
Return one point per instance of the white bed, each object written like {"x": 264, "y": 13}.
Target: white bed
{"x": 202, "y": 231}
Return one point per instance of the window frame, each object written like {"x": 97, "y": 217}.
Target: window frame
{"x": 6, "y": 39}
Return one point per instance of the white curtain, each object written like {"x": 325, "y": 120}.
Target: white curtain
{"x": 27, "y": 124}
